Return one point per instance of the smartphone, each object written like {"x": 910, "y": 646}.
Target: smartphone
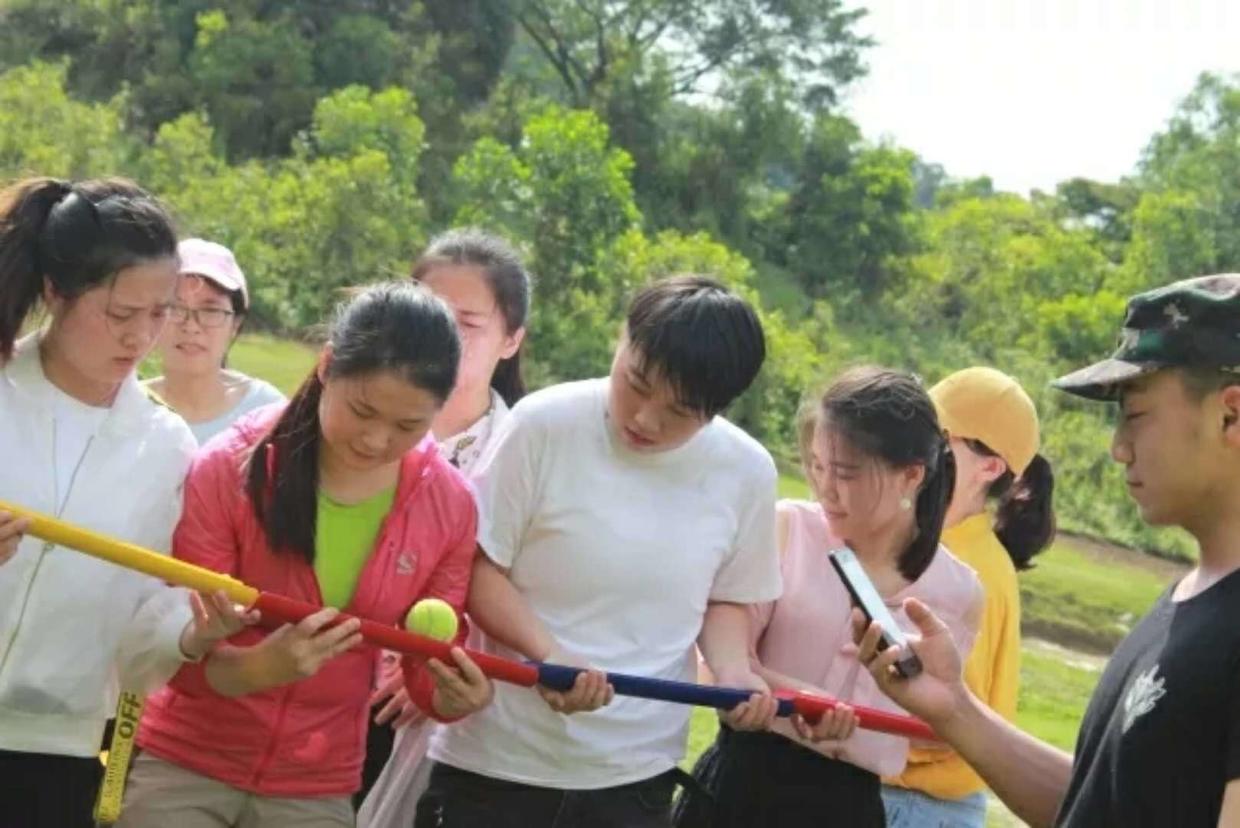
{"x": 866, "y": 598}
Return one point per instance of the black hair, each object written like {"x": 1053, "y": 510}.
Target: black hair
{"x": 1201, "y": 382}
{"x": 77, "y": 236}
{"x": 396, "y": 326}
{"x": 1025, "y": 514}
{"x": 704, "y": 340}
{"x": 508, "y": 279}
{"x": 887, "y": 415}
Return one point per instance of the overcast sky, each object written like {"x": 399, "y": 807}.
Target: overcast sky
{"x": 1031, "y": 92}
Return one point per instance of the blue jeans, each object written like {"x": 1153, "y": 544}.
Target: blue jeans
{"x": 913, "y": 809}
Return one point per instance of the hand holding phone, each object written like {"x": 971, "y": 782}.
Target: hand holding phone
{"x": 866, "y": 598}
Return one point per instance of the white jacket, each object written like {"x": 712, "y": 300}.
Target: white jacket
{"x": 74, "y": 629}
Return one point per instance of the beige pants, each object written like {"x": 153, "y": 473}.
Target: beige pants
{"x": 160, "y": 794}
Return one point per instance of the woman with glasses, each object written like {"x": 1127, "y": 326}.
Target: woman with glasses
{"x": 206, "y": 317}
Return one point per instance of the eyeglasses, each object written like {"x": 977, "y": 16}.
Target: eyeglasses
{"x": 203, "y": 317}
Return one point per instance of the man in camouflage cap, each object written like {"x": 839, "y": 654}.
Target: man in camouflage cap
{"x": 1193, "y": 325}
{"x": 1160, "y": 742}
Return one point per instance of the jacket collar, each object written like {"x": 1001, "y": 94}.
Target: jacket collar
{"x": 129, "y": 412}
{"x": 415, "y": 465}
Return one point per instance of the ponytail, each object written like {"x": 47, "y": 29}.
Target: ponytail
{"x": 1025, "y": 517}
{"x": 396, "y": 327}
{"x": 76, "y": 236}
{"x": 932, "y": 502}
{"x": 283, "y": 478}
{"x": 24, "y": 208}
{"x": 507, "y": 380}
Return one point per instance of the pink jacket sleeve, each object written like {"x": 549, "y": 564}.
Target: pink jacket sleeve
{"x": 206, "y": 535}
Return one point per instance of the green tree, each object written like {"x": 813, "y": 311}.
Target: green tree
{"x": 1174, "y": 237}
{"x": 342, "y": 210}
{"x": 565, "y": 192}
{"x": 256, "y": 78}
{"x": 1080, "y": 327}
{"x": 588, "y": 41}
{"x": 1196, "y": 159}
{"x": 852, "y": 212}
{"x": 728, "y": 170}
{"x": 1104, "y": 208}
{"x": 991, "y": 265}
{"x": 45, "y": 132}
{"x": 257, "y": 69}
{"x": 564, "y": 188}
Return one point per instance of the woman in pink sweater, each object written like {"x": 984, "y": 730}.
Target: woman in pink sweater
{"x": 338, "y": 498}
{"x": 882, "y": 474}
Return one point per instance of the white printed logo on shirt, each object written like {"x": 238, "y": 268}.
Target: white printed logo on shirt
{"x": 404, "y": 564}
{"x": 1142, "y": 696}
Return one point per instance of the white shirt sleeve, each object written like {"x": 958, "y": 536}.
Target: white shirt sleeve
{"x": 506, "y": 480}
{"x": 751, "y": 572}
{"x": 149, "y": 651}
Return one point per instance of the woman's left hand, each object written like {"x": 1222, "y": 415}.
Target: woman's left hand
{"x": 397, "y": 707}
{"x": 216, "y": 618}
{"x": 755, "y": 713}
{"x": 835, "y": 725}
{"x": 461, "y": 689}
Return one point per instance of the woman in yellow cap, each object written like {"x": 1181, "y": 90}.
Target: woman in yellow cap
{"x": 993, "y": 427}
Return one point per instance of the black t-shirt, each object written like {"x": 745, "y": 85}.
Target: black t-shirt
{"x": 1161, "y": 737}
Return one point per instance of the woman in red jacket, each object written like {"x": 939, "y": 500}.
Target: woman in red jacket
{"x": 338, "y": 498}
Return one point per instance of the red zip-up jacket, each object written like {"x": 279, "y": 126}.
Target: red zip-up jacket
{"x": 305, "y": 739}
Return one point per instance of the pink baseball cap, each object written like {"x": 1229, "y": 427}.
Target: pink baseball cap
{"x": 214, "y": 262}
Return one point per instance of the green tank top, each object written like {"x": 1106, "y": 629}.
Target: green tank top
{"x": 343, "y": 541}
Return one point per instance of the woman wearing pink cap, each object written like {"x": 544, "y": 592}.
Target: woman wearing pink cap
{"x": 208, "y": 312}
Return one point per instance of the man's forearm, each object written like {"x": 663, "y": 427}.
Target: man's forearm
{"x": 1030, "y": 776}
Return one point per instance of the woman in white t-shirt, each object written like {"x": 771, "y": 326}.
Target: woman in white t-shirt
{"x": 210, "y": 307}
{"x": 481, "y": 277}
{"x": 80, "y": 440}
{"x": 621, "y": 522}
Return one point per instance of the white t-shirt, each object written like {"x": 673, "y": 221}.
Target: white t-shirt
{"x": 618, "y": 553}
{"x": 259, "y": 393}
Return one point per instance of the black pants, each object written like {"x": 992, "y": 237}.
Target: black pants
{"x": 40, "y": 790}
{"x": 764, "y": 779}
{"x": 379, "y": 741}
{"x": 460, "y": 799}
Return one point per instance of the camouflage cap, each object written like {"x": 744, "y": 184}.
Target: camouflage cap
{"x": 1193, "y": 323}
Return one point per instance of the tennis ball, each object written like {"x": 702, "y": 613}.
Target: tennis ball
{"x": 433, "y": 618}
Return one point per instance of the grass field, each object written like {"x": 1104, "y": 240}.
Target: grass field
{"x": 1055, "y": 687}
{"x": 1087, "y": 600}
{"x": 281, "y": 362}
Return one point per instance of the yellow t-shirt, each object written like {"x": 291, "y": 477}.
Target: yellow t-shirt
{"x": 993, "y": 668}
